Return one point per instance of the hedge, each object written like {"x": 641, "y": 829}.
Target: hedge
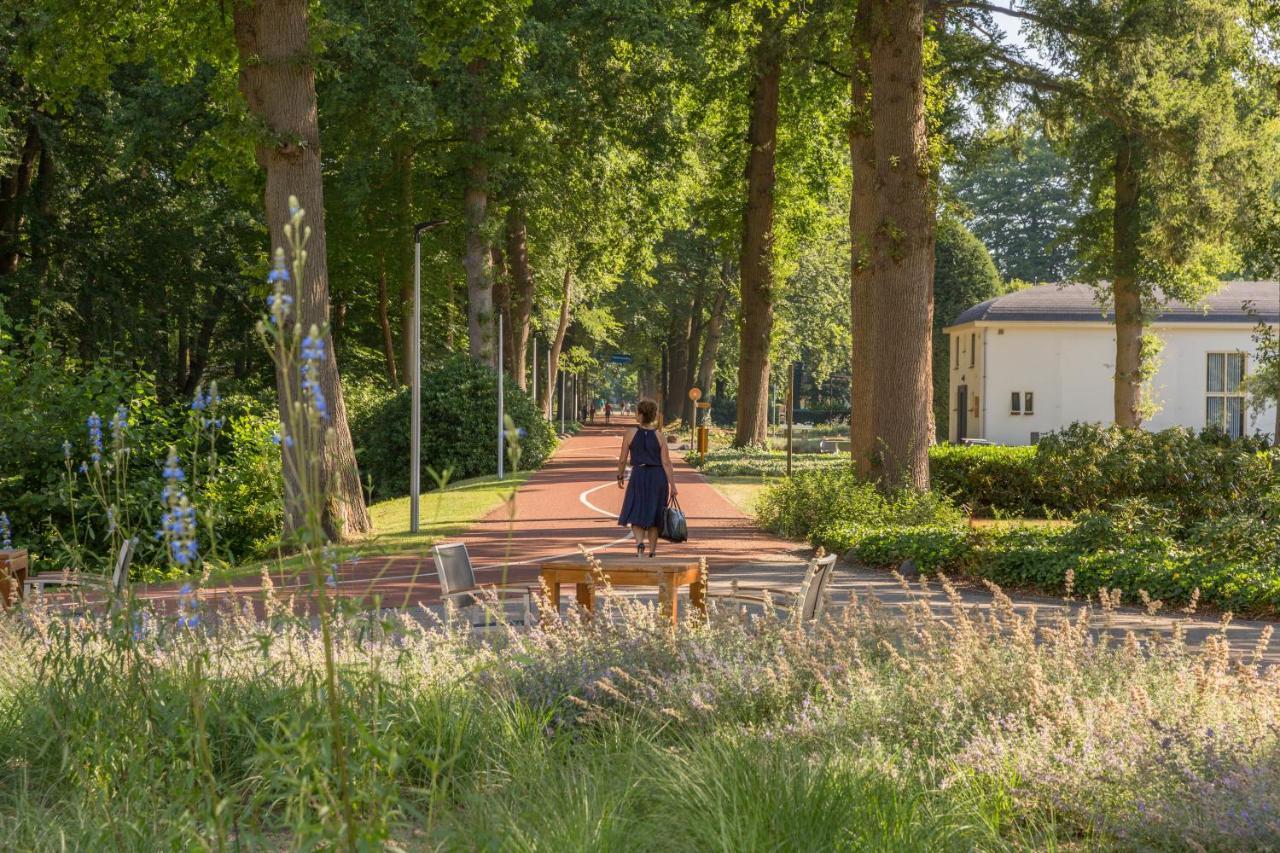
{"x": 459, "y": 423}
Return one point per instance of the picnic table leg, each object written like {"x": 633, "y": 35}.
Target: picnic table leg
{"x": 586, "y": 596}
{"x": 667, "y": 598}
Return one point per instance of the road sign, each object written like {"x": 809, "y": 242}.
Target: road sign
{"x": 620, "y": 358}
{"x": 695, "y": 393}
{"x": 703, "y": 405}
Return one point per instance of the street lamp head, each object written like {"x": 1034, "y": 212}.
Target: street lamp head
{"x": 429, "y": 225}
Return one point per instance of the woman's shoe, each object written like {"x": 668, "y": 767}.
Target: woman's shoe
{"x": 654, "y": 551}
{"x": 640, "y": 550}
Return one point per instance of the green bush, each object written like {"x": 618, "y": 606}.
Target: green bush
{"x": 933, "y": 547}
{"x": 819, "y": 499}
{"x": 459, "y": 424}
{"x": 1087, "y": 466}
{"x": 986, "y": 478}
{"x": 47, "y": 397}
{"x": 759, "y": 462}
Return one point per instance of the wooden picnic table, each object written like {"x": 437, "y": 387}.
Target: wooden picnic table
{"x": 13, "y": 574}
{"x": 666, "y": 574}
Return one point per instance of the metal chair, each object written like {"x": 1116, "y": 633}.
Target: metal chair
{"x": 117, "y": 586}
{"x": 806, "y": 604}
{"x": 458, "y": 585}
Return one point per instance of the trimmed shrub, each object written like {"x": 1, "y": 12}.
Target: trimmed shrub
{"x": 1088, "y": 466}
{"x": 459, "y": 422}
{"x": 933, "y": 547}
{"x": 815, "y": 500}
{"x": 987, "y": 478}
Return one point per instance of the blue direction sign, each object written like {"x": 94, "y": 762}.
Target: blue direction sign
{"x": 620, "y": 358}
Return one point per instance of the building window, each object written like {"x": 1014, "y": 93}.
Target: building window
{"x": 1015, "y": 403}
{"x": 973, "y": 348}
{"x": 1224, "y": 392}
{"x": 1028, "y": 403}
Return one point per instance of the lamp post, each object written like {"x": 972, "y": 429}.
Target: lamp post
{"x": 501, "y": 425}
{"x": 415, "y": 383}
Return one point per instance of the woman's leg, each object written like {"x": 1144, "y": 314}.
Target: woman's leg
{"x": 653, "y": 541}
{"x": 638, "y": 532}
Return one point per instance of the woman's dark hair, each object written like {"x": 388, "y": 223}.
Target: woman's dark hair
{"x": 648, "y": 411}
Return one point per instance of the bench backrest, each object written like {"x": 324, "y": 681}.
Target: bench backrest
{"x": 120, "y": 575}
{"x": 814, "y": 586}
{"x": 453, "y": 566}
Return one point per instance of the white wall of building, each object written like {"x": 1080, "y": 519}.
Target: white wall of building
{"x": 1069, "y": 369}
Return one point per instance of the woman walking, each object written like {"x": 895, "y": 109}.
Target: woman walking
{"x": 652, "y": 482}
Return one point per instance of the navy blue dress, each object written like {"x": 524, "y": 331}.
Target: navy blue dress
{"x": 647, "y": 491}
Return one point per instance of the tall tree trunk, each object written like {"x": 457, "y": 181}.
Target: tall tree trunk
{"x": 384, "y": 322}
{"x": 691, "y": 363}
{"x": 677, "y": 364}
{"x": 1125, "y": 290}
{"x": 204, "y": 339}
{"x": 477, "y": 263}
{"x": 902, "y": 248}
{"x": 13, "y": 196}
{"x": 521, "y": 291}
{"x": 182, "y": 364}
{"x": 711, "y": 343}
{"x": 862, "y": 213}
{"x": 404, "y": 244}
{"x": 547, "y": 390}
{"x": 756, "y": 265}
{"x": 502, "y": 303}
{"x": 278, "y": 82}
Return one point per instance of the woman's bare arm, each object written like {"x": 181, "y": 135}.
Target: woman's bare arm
{"x": 666, "y": 463}
{"x": 622, "y": 454}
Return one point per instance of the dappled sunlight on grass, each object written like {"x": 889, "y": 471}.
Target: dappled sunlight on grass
{"x": 742, "y": 492}
{"x": 444, "y": 513}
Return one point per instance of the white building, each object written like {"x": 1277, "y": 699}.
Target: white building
{"x": 1036, "y": 360}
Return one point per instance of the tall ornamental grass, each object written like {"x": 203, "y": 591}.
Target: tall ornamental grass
{"x": 904, "y": 730}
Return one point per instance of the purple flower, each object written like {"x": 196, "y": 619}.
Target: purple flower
{"x": 94, "y": 423}
{"x": 6, "y": 532}
{"x": 119, "y": 423}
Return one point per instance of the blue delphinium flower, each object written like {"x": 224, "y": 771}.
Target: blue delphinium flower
{"x": 6, "y": 532}
{"x": 173, "y": 470}
{"x": 279, "y": 302}
{"x": 313, "y": 351}
{"x": 66, "y": 449}
{"x": 188, "y": 607}
{"x": 178, "y": 524}
{"x": 119, "y": 423}
{"x": 84, "y": 467}
{"x": 286, "y": 440}
{"x": 94, "y": 423}
{"x": 313, "y": 348}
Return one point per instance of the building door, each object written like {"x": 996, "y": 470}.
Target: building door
{"x": 962, "y": 413}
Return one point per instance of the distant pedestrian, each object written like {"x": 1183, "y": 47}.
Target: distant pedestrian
{"x": 652, "y": 484}
{"x": 592, "y": 414}
{"x": 608, "y": 412}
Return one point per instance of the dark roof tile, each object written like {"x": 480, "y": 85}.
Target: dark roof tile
{"x": 1078, "y": 302}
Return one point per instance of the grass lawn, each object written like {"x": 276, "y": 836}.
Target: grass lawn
{"x": 443, "y": 514}
{"x": 742, "y": 492}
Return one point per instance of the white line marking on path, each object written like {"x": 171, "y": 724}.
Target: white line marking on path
{"x": 582, "y": 498}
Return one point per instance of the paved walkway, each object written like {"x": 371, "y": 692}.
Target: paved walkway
{"x": 573, "y": 502}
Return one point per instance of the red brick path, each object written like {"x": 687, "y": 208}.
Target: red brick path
{"x": 573, "y": 500}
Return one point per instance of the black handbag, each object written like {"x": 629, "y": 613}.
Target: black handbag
{"x": 674, "y": 526}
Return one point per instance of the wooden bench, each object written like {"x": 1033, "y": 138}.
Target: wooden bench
{"x": 665, "y": 574}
